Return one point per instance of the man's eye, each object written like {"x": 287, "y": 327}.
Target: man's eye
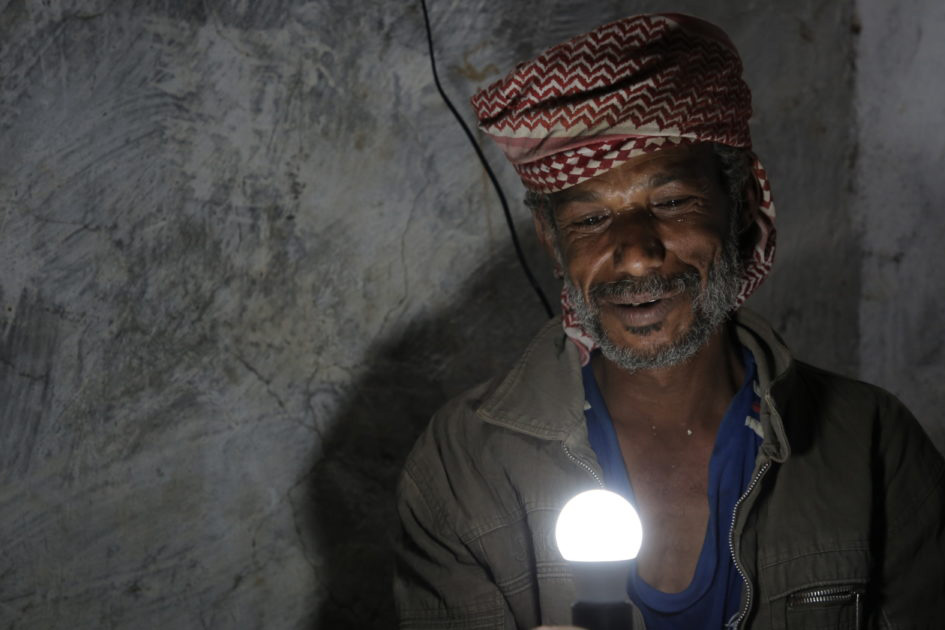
{"x": 673, "y": 204}
{"x": 590, "y": 221}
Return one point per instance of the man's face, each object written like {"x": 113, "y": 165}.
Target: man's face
{"x": 650, "y": 255}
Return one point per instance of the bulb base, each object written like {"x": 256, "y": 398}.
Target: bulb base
{"x": 603, "y": 582}
{"x": 602, "y": 616}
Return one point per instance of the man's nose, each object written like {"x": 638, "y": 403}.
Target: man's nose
{"x": 638, "y": 247}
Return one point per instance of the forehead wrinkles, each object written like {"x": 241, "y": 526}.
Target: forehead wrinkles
{"x": 690, "y": 166}
{"x": 626, "y": 186}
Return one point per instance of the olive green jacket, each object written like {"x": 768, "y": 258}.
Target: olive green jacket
{"x": 842, "y": 527}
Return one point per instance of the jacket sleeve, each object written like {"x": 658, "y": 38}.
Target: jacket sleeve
{"x": 910, "y": 590}
{"x": 438, "y": 582}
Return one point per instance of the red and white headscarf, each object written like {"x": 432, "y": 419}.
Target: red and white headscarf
{"x": 627, "y": 88}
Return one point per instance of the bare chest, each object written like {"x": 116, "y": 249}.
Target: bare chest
{"x": 669, "y": 476}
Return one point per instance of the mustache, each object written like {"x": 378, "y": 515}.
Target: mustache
{"x": 652, "y": 285}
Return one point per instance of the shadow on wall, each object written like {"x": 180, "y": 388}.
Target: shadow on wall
{"x": 351, "y": 489}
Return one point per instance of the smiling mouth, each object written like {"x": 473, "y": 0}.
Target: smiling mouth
{"x": 639, "y": 307}
{"x": 643, "y": 312}
{"x": 645, "y": 300}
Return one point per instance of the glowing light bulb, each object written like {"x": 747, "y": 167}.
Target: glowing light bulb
{"x": 598, "y": 526}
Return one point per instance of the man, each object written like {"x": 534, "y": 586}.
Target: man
{"x": 772, "y": 494}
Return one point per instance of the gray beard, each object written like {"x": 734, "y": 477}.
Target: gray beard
{"x": 711, "y": 308}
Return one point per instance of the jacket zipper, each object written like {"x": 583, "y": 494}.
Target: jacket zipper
{"x": 731, "y": 546}
{"x": 824, "y": 596}
{"x": 582, "y": 464}
{"x": 827, "y": 596}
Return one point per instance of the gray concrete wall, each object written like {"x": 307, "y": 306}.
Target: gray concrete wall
{"x": 247, "y": 253}
{"x": 900, "y": 196}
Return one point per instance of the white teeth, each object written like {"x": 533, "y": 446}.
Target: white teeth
{"x": 642, "y": 303}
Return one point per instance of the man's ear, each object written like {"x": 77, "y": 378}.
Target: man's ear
{"x": 545, "y": 232}
{"x": 747, "y": 221}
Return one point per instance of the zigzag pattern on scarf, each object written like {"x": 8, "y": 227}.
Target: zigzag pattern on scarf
{"x": 647, "y": 74}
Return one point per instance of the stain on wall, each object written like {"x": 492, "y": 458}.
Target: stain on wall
{"x": 247, "y": 252}
{"x": 27, "y": 351}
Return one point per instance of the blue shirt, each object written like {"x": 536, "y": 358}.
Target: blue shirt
{"x": 714, "y": 595}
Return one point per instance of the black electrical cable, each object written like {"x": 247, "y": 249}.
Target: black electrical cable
{"x": 485, "y": 165}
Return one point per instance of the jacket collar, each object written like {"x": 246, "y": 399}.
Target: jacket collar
{"x": 543, "y": 394}
{"x": 776, "y": 379}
